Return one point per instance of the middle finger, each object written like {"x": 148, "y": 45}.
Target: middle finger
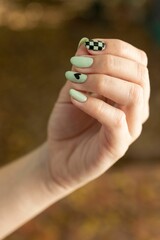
{"x": 114, "y": 66}
{"x": 110, "y": 65}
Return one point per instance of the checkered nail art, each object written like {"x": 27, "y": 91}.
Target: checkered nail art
{"x": 95, "y": 45}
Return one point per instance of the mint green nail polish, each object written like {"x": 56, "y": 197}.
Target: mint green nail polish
{"x": 76, "y": 77}
{"x": 83, "y": 40}
{"x": 78, "y": 96}
{"x": 81, "y": 62}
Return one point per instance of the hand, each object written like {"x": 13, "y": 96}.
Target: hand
{"x": 87, "y": 137}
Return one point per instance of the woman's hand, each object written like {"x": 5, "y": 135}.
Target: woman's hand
{"x": 90, "y": 131}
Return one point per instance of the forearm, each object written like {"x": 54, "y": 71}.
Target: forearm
{"x": 24, "y": 190}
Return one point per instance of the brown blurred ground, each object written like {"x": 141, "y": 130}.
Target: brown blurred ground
{"x": 122, "y": 204}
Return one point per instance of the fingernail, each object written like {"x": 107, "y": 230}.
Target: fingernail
{"x": 83, "y": 40}
{"x": 78, "y": 96}
{"x": 81, "y": 61}
{"x": 95, "y": 45}
{"x": 75, "y": 77}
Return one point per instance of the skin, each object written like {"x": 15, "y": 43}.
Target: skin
{"x": 100, "y": 130}
{"x": 84, "y": 139}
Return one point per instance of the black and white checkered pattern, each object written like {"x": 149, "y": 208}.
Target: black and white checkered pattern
{"x": 95, "y": 45}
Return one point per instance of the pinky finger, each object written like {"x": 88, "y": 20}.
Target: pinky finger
{"x": 113, "y": 119}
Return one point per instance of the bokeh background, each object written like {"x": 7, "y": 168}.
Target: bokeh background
{"x": 37, "y": 39}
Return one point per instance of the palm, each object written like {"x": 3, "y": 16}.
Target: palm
{"x": 76, "y": 136}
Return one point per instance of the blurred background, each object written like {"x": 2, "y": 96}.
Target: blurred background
{"x": 37, "y": 39}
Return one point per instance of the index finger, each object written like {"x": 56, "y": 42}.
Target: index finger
{"x": 113, "y": 47}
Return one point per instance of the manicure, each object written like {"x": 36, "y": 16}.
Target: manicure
{"x": 78, "y": 96}
{"x": 81, "y": 62}
{"x": 75, "y": 77}
{"x": 82, "y": 41}
{"x": 95, "y": 45}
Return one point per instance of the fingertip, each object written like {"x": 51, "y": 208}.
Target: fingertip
{"x": 77, "y": 95}
{"x": 82, "y": 41}
{"x": 81, "y": 49}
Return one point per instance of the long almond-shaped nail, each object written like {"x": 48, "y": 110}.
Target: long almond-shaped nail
{"x": 95, "y": 45}
{"x": 75, "y": 77}
{"x": 78, "y": 96}
{"x": 81, "y": 62}
{"x": 83, "y": 40}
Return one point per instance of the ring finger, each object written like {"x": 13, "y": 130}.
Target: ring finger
{"x": 119, "y": 91}
{"x": 114, "y": 47}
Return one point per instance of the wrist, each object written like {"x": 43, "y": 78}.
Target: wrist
{"x": 54, "y": 188}
{"x": 24, "y": 190}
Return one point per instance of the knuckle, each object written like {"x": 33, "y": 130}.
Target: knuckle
{"x": 142, "y": 72}
{"x": 144, "y": 58}
{"x": 146, "y": 114}
{"x": 100, "y": 108}
{"x": 119, "y": 118}
{"x": 146, "y": 117}
{"x": 137, "y": 132}
{"x": 135, "y": 94}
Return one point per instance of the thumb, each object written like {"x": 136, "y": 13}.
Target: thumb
{"x": 82, "y": 50}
